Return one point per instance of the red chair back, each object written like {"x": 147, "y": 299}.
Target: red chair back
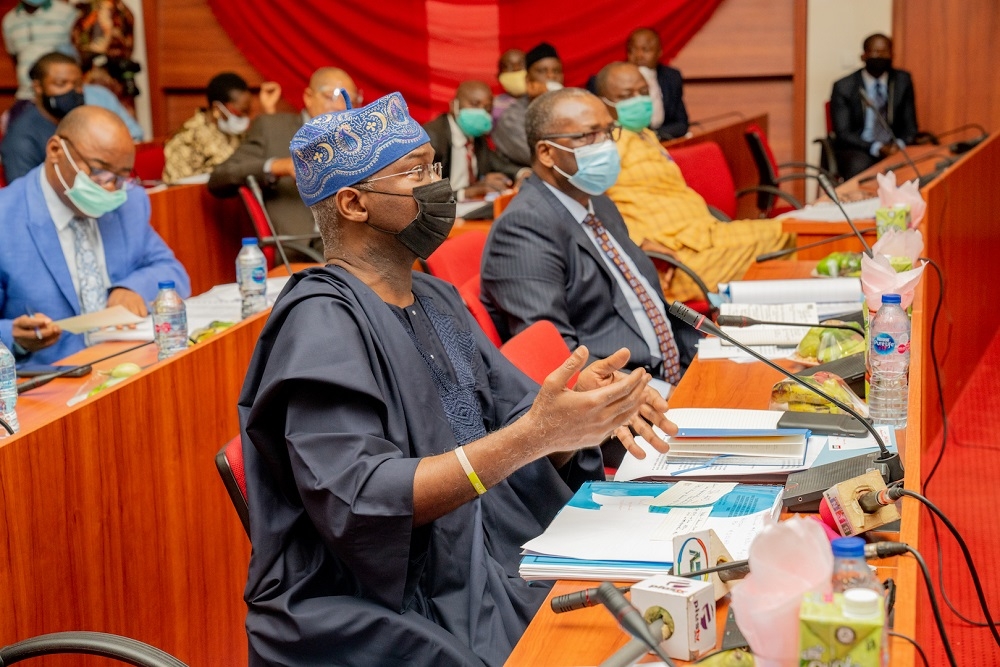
{"x": 537, "y": 351}
{"x": 259, "y": 221}
{"x": 829, "y": 118}
{"x": 706, "y": 172}
{"x": 149, "y": 161}
{"x": 229, "y": 462}
{"x": 761, "y": 137}
{"x": 457, "y": 260}
{"x": 469, "y": 291}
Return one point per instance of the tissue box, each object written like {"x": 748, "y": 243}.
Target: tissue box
{"x": 828, "y": 636}
{"x": 894, "y": 217}
{"x": 687, "y": 608}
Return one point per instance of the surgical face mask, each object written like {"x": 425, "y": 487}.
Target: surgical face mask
{"x": 37, "y": 3}
{"x": 553, "y": 85}
{"x": 878, "y": 66}
{"x": 230, "y": 123}
{"x": 88, "y": 197}
{"x": 515, "y": 83}
{"x": 60, "y": 105}
{"x": 597, "y": 167}
{"x": 474, "y": 122}
{"x": 435, "y": 218}
{"x": 635, "y": 113}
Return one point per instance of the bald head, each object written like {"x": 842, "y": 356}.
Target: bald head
{"x": 323, "y": 94}
{"x": 473, "y": 95}
{"x": 552, "y": 112}
{"x": 644, "y": 47}
{"x": 512, "y": 60}
{"x": 97, "y": 128}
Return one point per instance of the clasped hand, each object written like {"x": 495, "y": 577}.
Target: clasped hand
{"x": 605, "y": 402}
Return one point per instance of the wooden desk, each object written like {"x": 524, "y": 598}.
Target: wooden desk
{"x": 729, "y": 136}
{"x": 588, "y": 637}
{"x": 112, "y": 515}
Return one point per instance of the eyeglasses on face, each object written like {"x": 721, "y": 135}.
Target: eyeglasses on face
{"x": 419, "y": 173}
{"x": 333, "y": 94}
{"x": 99, "y": 175}
{"x": 612, "y": 133}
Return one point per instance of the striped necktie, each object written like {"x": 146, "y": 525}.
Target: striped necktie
{"x": 664, "y": 336}
{"x": 93, "y": 294}
{"x": 879, "y": 132}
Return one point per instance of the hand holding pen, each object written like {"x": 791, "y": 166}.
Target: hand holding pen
{"x": 34, "y": 331}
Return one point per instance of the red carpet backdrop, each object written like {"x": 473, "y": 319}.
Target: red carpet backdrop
{"x": 424, "y": 48}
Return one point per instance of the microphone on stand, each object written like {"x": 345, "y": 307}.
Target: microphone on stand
{"x": 36, "y": 382}
{"x": 831, "y": 192}
{"x": 778, "y": 254}
{"x": 259, "y": 196}
{"x": 889, "y": 464}
{"x": 630, "y": 619}
{"x": 880, "y": 119}
{"x": 741, "y": 321}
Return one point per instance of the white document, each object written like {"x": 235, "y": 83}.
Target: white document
{"x": 712, "y": 348}
{"x": 747, "y": 420}
{"x": 841, "y": 443}
{"x": 109, "y": 317}
{"x": 827, "y": 211}
{"x": 606, "y": 534}
{"x": 830, "y": 290}
{"x": 768, "y": 334}
{"x": 680, "y": 521}
{"x": 693, "y": 494}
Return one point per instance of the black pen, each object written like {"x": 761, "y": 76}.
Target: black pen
{"x": 30, "y": 313}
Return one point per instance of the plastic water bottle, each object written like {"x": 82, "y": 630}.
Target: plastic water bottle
{"x": 850, "y": 569}
{"x": 169, "y": 321}
{"x": 251, "y": 276}
{"x": 889, "y": 361}
{"x": 8, "y": 391}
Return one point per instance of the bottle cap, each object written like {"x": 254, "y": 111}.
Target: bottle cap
{"x": 250, "y": 240}
{"x": 848, "y": 547}
{"x": 166, "y": 284}
{"x": 861, "y": 603}
{"x": 891, "y": 298}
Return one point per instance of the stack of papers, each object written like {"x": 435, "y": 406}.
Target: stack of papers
{"x": 624, "y": 531}
{"x": 827, "y": 211}
{"x": 769, "y": 334}
{"x": 740, "y": 446}
{"x": 832, "y": 296}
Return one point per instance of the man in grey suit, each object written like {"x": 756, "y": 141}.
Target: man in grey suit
{"x": 264, "y": 153}
{"x": 561, "y": 252}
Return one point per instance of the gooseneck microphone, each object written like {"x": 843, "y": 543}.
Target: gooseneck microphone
{"x": 630, "y": 619}
{"x": 880, "y": 119}
{"x": 741, "y": 321}
{"x": 831, "y": 192}
{"x": 889, "y": 464}
{"x": 259, "y": 196}
{"x": 777, "y": 254}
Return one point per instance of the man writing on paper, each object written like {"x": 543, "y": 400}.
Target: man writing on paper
{"x": 77, "y": 238}
{"x": 395, "y": 460}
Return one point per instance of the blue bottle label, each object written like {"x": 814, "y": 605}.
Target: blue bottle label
{"x": 883, "y": 343}
{"x": 258, "y": 275}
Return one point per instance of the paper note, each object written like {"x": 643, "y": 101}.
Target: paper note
{"x": 841, "y": 443}
{"x": 765, "y": 334}
{"x": 712, "y": 348}
{"x": 692, "y": 494}
{"x": 680, "y": 521}
{"x": 625, "y": 503}
{"x": 793, "y": 291}
{"x": 109, "y": 317}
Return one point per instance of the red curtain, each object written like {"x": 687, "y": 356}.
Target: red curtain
{"x": 424, "y": 48}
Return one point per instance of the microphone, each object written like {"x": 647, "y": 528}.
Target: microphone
{"x": 872, "y": 501}
{"x": 831, "y": 192}
{"x": 741, "y": 321}
{"x": 777, "y": 254}
{"x": 876, "y": 550}
{"x": 729, "y": 571}
{"x": 966, "y": 145}
{"x": 880, "y": 119}
{"x": 630, "y": 619}
{"x": 259, "y": 196}
{"x": 34, "y": 383}
{"x": 889, "y": 464}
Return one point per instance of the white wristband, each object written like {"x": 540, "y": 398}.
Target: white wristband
{"x": 469, "y": 472}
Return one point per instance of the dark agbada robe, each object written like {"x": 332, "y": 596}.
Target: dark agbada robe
{"x": 337, "y": 409}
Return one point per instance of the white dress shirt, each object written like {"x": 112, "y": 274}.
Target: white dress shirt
{"x": 459, "y": 174}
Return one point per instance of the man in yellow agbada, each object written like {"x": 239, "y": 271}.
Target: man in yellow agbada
{"x": 662, "y": 213}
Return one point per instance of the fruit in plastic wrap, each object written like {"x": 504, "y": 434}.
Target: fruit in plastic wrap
{"x": 790, "y": 395}
{"x": 824, "y": 344}
{"x": 840, "y": 264}
{"x": 213, "y": 328}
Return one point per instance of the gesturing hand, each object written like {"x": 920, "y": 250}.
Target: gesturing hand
{"x": 134, "y": 303}
{"x": 607, "y": 371}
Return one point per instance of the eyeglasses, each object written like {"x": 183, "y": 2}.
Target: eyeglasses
{"x": 332, "y": 94}
{"x": 612, "y": 133}
{"x": 418, "y": 172}
{"x": 102, "y": 177}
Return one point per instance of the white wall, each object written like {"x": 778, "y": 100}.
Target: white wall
{"x": 835, "y": 31}
{"x": 143, "y": 111}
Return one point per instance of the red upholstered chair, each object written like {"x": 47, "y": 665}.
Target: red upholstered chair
{"x": 229, "y": 462}
{"x": 537, "y": 351}
{"x": 771, "y": 174}
{"x": 149, "y": 161}
{"x": 457, "y": 260}
{"x": 263, "y": 228}
{"x": 706, "y": 172}
{"x": 469, "y": 291}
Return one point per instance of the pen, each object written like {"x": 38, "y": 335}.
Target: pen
{"x": 30, "y": 313}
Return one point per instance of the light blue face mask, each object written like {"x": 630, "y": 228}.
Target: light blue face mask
{"x": 88, "y": 197}
{"x": 597, "y": 167}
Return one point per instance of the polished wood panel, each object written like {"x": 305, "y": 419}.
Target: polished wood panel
{"x": 203, "y": 231}
{"x": 112, "y": 514}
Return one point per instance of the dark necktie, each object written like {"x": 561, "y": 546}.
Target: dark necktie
{"x": 470, "y": 158}
{"x": 880, "y": 133}
{"x": 665, "y": 337}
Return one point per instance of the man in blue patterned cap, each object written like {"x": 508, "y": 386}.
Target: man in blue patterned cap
{"x": 395, "y": 461}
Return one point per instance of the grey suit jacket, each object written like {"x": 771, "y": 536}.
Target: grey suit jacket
{"x": 269, "y": 137}
{"x": 540, "y": 264}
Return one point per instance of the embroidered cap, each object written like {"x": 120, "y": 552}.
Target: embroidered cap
{"x": 338, "y": 149}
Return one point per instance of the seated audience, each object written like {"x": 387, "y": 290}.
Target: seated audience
{"x": 459, "y": 142}
{"x": 373, "y": 400}
{"x": 264, "y": 153}
{"x": 545, "y": 72}
{"x": 513, "y": 79}
{"x": 208, "y": 138}
{"x": 58, "y": 86}
{"x": 860, "y": 140}
{"x": 77, "y": 238}
{"x": 661, "y": 212}
{"x": 560, "y": 250}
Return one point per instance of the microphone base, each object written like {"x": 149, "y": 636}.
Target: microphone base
{"x": 891, "y": 467}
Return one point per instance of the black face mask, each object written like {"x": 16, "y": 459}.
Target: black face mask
{"x": 878, "y": 66}
{"x": 435, "y": 218}
{"x": 60, "y": 105}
